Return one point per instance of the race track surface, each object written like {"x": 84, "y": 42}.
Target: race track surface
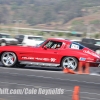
{"x": 49, "y": 78}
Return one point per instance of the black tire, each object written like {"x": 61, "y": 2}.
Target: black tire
{"x": 18, "y": 65}
{"x": 74, "y": 63}
{"x": 8, "y": 59}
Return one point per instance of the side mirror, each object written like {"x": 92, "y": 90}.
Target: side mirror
{"x": 45, "y": 47}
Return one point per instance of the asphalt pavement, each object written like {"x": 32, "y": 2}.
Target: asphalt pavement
{"x": 38, "y": 78}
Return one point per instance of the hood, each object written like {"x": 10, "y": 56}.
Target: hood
{"x": 16, "y": 48}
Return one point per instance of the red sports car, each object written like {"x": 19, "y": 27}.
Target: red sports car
{"x": 52, "y": 52}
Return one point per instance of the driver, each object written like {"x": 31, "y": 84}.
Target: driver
{"x": 58, "y": 46}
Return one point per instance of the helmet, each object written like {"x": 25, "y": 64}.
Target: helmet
{"x": 58, "y": 46}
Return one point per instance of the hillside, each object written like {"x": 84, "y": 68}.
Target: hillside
{"x": 52, "y": 14}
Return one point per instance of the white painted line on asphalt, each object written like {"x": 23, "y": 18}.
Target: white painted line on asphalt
{"x": 90, "y": 93}
{"x": 87, "y": 98}
{"x": 61, "y": 72}
{"x": 13, "y": 74}
{"x": 22, "y": 84}
{"x": 90, "y": 98}
{"x": 95, "y": 74}
{"x": 19, "y": 69}
{"x": 66, "y": 90}
{"x": 64, "y": 79}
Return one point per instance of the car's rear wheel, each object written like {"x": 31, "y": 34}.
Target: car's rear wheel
{"x": 9, "y": 59}
{"x": 69, "y": 62}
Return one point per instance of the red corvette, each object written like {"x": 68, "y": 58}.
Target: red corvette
{"x": 52, "y": 52}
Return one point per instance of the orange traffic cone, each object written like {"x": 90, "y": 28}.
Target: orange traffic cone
{"x": 80, "y": 68}
{"x": 66, "y": 70}
{"x": 72, "y": 71}
{"x": 75, "y": 95}
{"x": 87, "y": 69}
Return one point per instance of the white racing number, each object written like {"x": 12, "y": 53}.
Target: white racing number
{"x": 75, "y": 46}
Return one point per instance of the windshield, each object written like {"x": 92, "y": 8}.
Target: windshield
{"x": 38, "y": 45}
{"x": 4, "y": 36}
{"x": 36, "y": 38}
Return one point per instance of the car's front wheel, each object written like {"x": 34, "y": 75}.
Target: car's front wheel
{"x": 69, "y": 62}
{"x": 9, "y": 59}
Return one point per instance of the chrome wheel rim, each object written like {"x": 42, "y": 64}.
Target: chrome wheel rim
{"x": 70, "y": 63}
{"x": 8, "y": 58}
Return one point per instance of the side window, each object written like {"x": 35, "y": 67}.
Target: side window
{"x": 21, "y": 36}
{"x": 85, "y": 40}
{"x": 53, "y": 44}
{"x": 17, "y": 36}
{"x": 0, "y": 36}
{"x": 49, "y": 44}
{"x": 89, "y": 41}
{"x": 74, "y": 46}
{"x": 30, "y": 37}
{"x": 77, "y": 46}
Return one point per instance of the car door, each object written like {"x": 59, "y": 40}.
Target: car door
{"x": 48, "y": 53}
